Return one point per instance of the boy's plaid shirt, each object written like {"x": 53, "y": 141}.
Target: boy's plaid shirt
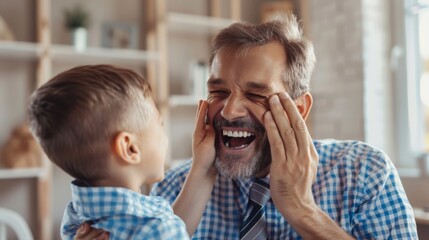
{"x": 125, "y": 214}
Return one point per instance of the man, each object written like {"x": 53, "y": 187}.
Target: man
{"x": 258, "y": 102}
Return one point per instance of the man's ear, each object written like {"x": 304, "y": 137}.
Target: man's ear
{"x": 304, "y": 103}
{"x": 126, "y": 148}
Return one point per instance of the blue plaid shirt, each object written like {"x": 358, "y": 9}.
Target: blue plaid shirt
{"x": 356, "y": 185}
{"x": 125, "y": 214}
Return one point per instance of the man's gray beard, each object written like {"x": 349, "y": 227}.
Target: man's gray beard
{"x": 233, "y": 168}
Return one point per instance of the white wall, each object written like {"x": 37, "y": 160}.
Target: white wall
{"x": 351, "y": 84}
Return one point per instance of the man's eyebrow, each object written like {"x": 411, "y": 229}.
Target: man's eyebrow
{"x": 215, "y": 81}
{"x": 260, "y": 87}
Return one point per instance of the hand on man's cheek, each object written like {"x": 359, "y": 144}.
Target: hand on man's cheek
{"x": 294, "y": 158}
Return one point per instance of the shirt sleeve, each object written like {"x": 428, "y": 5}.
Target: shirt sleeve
{"x": 171, "y": 228}
{"x": 69, "y": 224}
{"x": 384, "y": 211}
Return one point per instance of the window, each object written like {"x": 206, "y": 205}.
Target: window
{"x": 411, "y": 58}
{"x": 424, "y": 78}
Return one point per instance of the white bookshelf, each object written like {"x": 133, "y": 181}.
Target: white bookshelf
{"x": 19, "y": 50}
{"x": 183, "y": 100}
{"x": 31, "y": 50}
{"x": 102, "y": 55}
{"x": 182, "y": 22}
{"x": 189, "y": 31}
{"x": 21, "y": 173}
{"x": 421, "y": 216}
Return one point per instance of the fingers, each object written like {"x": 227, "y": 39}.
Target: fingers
{"x": 198, "y": 109}
{"x": 296, "y": 120}
{"x": 276, "y": 142}
{"x": 285, "y": 129}
{"x": 85, "y": 232}
{"x": 290, "y": 123}
{"x": 102, "y": 236}
{"x": 314, "y": 155}
{"x": 200, "y": 125}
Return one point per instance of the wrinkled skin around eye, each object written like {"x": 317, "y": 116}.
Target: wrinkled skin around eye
{"x": 257, "y": 99}
{"x": 262, "y": 101}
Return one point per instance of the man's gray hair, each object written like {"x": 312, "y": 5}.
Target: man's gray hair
{"x": 300, "y": 57}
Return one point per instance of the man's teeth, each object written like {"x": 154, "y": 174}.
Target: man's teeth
{"x": 237, "y": 133}
{"x": 227, "y": 145}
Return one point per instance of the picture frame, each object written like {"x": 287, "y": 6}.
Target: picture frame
{"x": 119, "y": 35}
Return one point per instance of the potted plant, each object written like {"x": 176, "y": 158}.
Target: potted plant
{"x": 76, "y": 20}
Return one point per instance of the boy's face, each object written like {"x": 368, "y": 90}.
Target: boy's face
{"x": 153, "y": 145}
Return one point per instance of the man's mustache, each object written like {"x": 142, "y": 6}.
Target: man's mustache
{"x": 221, "y": 122}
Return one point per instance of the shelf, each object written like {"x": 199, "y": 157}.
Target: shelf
{"x": 196, "y": 23}
{"x": 421, "y": 216}
{"x": 19, "y": 50}
{"x": 183, "y": 100}
{"x": 21, "y": 173}
{"x": 102, "y": 55}
{"x": 29, "y": 50}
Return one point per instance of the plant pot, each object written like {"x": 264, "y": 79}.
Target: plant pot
{"x": 80, "y": 39}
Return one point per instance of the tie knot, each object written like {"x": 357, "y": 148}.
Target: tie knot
{"x": 260, "y": 192}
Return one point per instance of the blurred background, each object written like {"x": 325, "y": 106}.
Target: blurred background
{"x": 371, "y": 80}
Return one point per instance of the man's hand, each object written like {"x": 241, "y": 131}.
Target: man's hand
{"x": 85, "y": 232}
{"x": 294, "y": 159}
{"x": 293, "y": 171}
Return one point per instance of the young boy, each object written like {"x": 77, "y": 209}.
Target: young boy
{"x": 100, "y": 125}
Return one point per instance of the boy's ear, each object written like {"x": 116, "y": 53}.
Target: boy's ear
{"x": 126, "y": 148}
{"x": 304, "y": 103}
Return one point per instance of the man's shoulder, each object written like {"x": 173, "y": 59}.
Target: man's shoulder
{"x": 351, "y": 153}
{"x": 170, "y": 186}
{"x": 177, "y": 172}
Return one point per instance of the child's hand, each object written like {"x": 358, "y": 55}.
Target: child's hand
{"x": 203, "y": 148}
{"x": 85, "y": 231}
{"x": 196, "y": 190}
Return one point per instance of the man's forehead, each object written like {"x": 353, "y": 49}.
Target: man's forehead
{"x": 258, "y": 68}
{"x": 258, "y": 86}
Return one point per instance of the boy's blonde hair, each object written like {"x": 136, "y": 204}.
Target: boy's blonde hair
{"x": 76, "y": 115}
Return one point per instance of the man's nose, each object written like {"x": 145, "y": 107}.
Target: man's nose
{"x": 234, "y": 108}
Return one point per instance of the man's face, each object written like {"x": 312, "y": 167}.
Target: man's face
{"x": 239, "y": 87}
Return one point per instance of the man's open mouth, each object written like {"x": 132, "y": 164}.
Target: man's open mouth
{"x": 237, "y": 139}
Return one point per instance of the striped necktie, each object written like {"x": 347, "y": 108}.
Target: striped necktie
{"x": 254, "y": 224}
